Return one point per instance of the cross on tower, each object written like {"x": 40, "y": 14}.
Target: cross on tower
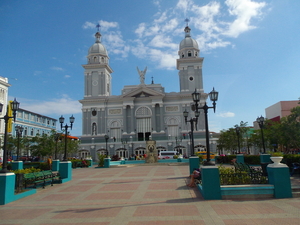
{"x": 98, "y": 26}
{"x": 187, "y": 21}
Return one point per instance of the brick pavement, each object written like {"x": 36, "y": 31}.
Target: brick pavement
{"x": 134, "y": 195}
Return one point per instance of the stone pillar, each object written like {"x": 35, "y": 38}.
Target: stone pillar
{"x": 279, "y": 176}
{"x": 151, "y": 152}
{"x": 7, "y": 189}
{"x": 161, "y": 117}
{"x": 265, "y": 158}
{"x": 55, "y": 165}
{"x": 65, "y": 171}
{"x": 106, "y": 162}
{"x": 240, "y": 158}
{"x": 17, "y": 165}
{"x": 132, "y": 119}
{"x": 210, "y": 183}
{"x": 194, "y": 163}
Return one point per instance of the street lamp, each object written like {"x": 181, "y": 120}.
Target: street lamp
{"x": 14, "y": 106}
{"x": 62, "y": 120}
{"x": 213, "y": 95}
{"x": 106, "y": 139}
{"x": 19, "y": 130}
{"x": 56, "y": 138}
{"x": 237, "y": 130}
{"x": 260, "y": 121}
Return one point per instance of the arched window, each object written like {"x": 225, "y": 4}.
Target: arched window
{"x": 189, "y": 53}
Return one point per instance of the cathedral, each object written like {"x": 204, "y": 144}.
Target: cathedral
{"x": 121, "y": 125}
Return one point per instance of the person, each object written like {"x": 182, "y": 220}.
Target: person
{"x": 49, "y": 162}
{"x": 196, "y": 174}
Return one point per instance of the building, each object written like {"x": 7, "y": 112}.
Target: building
{"x": 121, "y": 124}
{"x": 4, "y": 85}
{"x": 280, "y": 109}
{"x": 33, "y": 123}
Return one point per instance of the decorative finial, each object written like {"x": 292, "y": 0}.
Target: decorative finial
{"x": 98, "y": 27}
{"x": 152, "y": 81}
{"x": 187, "y": 21}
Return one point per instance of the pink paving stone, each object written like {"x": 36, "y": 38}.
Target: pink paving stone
{"x": 113, "y": 195}
{"x": 59, "y": 197}
{"x": 168, "y": 210}
{"x": 295, "y": 204}
{"x": 91, "y": 181}
{"x": 264, "y": 221}
{"x": 85, "y": 223}
{"x": 246, "y": 208}
{"x": 162, "y": 194}
{"x": 117, "y": 187}
{"x": 159, "y": 186}
{"x": 169, "y": 222}
{"x": 127, "y": 181}
{"x": 134, "y": 175}
{"x": 77, "y": 188}
{"x": 87, "y": 213}
{"x": 22, "y": 213}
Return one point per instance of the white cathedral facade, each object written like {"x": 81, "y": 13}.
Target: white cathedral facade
{"x": 121, "y": 125}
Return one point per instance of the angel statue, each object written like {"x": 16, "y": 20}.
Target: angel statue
{"x": 142, "y": 75}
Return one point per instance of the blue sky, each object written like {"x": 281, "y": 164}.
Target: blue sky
{"x": 251, "y": 51}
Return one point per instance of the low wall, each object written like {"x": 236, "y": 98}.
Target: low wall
{"x": 249, "y": 191}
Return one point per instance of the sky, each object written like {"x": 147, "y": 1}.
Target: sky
{"x": 251, "y": 51}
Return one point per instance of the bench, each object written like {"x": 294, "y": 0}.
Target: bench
{"x": 40, "y": 178}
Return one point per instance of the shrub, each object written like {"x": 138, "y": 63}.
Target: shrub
{"x": 252, "y": 159}
{"x": 101, "y": 160}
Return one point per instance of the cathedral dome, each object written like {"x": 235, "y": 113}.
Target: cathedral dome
{"x": 97, "y": 48}
{"x": 188, "y": 42}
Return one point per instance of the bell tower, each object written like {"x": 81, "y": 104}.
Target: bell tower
{"x": 189, "y": 64}
{"x": 97, "y": 79}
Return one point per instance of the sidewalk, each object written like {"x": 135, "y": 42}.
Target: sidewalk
{"x": 135, "y": 195}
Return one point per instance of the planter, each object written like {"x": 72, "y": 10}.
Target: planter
{"x": 276, "y": 160}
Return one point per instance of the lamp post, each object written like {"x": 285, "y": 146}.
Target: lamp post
{"x": 56, "y": 138}
{"x": 213, "y": 95}
{"x": 62, "y": 120}
{"x": 106, "y": 139}
{"x": 14, "y": 107}
{"x": 260, "y": 121}
{"x": 237, "y": 130}
{"x": 19, "y": 130}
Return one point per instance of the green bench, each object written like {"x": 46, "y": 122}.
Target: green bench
{"x": 40, "y": 178}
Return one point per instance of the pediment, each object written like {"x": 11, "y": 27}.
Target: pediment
{"x": 142, "y": 92}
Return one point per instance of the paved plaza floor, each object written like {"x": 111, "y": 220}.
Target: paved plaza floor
{"x": 141, "y": 195}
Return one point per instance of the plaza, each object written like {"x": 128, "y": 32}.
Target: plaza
{"x": 142, "y": 194}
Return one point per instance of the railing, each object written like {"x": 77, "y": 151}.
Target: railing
{"x": 240, "y": 178}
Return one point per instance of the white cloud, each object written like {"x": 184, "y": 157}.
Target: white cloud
{"x": 244, "y": 11}
{"x": 63, "y": 105}
{"x": 67, "y": 76}
{"x": 213, "y": 26}
{"x": 88, "y": 25}
{"x": 226, "y": 114}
